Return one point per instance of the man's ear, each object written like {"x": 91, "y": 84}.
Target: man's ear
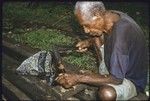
{"x": 99, "y": 20}
{"x": 109, "y": 25}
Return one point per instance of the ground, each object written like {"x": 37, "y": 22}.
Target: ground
{"x": 46, "y": 24}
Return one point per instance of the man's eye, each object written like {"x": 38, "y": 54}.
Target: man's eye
{"x": 86, "y": 26}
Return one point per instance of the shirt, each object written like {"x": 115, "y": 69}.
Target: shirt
{"x": 126, "y": 52}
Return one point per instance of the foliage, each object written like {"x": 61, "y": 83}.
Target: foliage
{"x": 84, "y": 60}
{"x": 20, "y": 16}
{"x": 17, "y": 13}
{"x": 43, "y": 38}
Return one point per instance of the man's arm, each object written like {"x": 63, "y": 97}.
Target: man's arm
{"x": 68, "y": 80}
{"x": 97, "y": 79}
{"x": 85, "y": 43}
{"x": 92, "y": 41}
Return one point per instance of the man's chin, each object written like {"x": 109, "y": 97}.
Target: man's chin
{"x": 97, "y": 35}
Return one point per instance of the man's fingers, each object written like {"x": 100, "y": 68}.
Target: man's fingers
{"x": 60, "y": 76}
{"x": 67, "y": 86}
{"x": 62, "y": 81}
{"x": 81, "y": 44}
{"x": 78, "y": 44}
{"x": 82, "y": 50}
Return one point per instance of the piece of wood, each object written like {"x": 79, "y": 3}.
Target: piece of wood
{"x": 63, "y": 93}
{"x": 17, "y": 92}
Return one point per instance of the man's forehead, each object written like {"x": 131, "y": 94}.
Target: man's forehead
{"x": 85, "y": 21}
{"x": 83, "y": 18}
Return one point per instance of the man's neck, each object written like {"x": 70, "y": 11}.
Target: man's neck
{"x": 110, "y": 19}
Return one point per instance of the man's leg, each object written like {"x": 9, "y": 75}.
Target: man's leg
{"x": 125, "y": 91}
{"x": 107, "y": 93}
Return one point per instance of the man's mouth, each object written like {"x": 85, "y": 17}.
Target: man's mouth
{"x": 95, "y": 34}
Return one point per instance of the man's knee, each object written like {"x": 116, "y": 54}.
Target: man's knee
{"x": 106, "y": 92}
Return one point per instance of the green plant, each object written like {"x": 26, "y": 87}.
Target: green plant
{"x": 45, "y": 39}
{"x": 83, "y": 60}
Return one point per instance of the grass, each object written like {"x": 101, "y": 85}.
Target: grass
{"x": 59, "y": 15}
{"x": 84, "y": 60}
{"x": 45, "y": 39}
{"x": 18, "y": 13}
{"x": 50, "y": 13}
{"x": 18, "y": 17}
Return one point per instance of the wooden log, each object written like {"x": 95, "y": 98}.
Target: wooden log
{"x": 63, "y": 93}
{"x": 30, "y": 85}
{"x": 12, "y": 92}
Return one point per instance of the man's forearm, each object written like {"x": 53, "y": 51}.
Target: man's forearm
{"x": 91, "y": 41}
{"x": 94, "y": 41}
{"x": 98, "y": 80}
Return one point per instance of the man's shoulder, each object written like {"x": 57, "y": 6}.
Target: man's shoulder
{"x": 123, "y": 23}
{"x": 125, "y": 17}
{"x": 126, "y": 20}
{"x": 122, "y": 26}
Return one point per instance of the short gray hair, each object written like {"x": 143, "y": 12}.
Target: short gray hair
{"x": 89, "y": 8}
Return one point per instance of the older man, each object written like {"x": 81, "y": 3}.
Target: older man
{"x": 125, "y": 52}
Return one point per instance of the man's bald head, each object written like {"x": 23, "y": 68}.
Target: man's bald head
{"x": 88, "y": 9}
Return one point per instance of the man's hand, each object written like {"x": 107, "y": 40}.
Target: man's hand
{"x": 83, "y": 45}
{"x": 67, "y": 80}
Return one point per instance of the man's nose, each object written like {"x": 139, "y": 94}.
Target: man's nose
{"x": 86, "y": 30}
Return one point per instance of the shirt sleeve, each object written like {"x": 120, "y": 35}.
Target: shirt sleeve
{"x": 119, "y": 60}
